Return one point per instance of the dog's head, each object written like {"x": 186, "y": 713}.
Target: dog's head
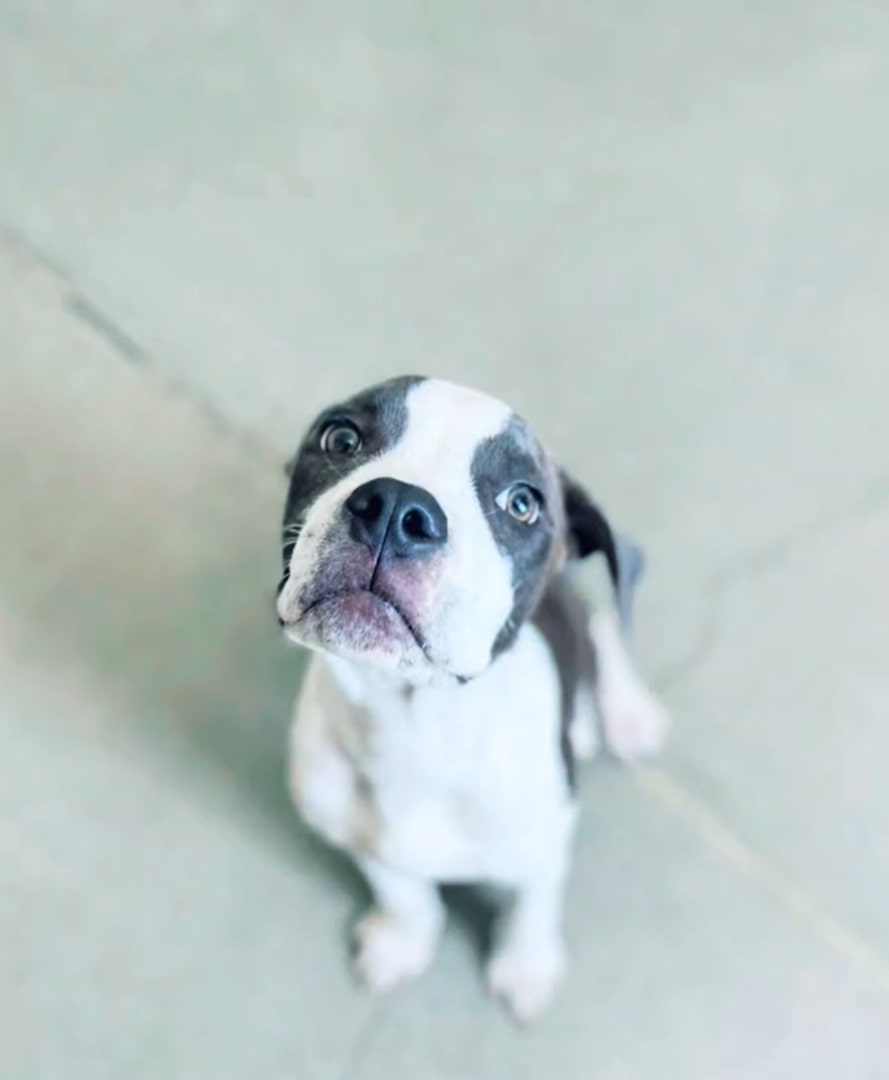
{"x": 422, "y": 524}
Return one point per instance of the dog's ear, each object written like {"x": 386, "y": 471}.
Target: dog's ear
{"x": 589, "y": 531}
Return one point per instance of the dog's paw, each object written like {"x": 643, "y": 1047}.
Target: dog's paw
{"x": 389, "y": 952}
{"x": 635, "y": 722}
{"x": 524, "y": 979}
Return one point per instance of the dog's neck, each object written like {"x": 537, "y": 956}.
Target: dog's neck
{"x": 375, "y": 689}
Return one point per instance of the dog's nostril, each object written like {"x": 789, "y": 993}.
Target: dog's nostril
{"x": 416, "y": 525}
{"x": 368, "y": 507}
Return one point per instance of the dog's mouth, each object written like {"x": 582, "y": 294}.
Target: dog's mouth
{"x": 363, "y": 617}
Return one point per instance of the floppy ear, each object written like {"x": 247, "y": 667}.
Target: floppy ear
{"x": 587, "y": 527}
{"x": 589, "y": 531}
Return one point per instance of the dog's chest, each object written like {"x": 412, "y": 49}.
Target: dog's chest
{"x": 462, "y": 783}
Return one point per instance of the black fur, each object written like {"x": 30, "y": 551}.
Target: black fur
{"x": 562, "y": 617}
{"x": 588, "y": 528}
{"x": 508, "y": 458}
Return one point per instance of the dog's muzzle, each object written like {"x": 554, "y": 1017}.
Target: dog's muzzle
{"x": 374, "y": 579}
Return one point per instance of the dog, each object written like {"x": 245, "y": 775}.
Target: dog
{"x": 457, "y": 676}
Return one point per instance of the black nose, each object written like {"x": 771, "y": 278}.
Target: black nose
{"x": 400, "y": 519}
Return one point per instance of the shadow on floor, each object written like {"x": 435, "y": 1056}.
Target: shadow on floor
{"x": 155, "y": 590}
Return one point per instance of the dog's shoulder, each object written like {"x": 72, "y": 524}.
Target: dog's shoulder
{"x": 562, "y": 618}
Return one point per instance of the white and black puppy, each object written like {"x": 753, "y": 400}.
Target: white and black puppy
{"x": 459, "y": 676}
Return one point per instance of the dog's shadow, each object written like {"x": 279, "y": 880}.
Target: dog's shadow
{"x": 154, "y": 587}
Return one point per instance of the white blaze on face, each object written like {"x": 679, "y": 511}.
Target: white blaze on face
{"x": 472, "y": 594}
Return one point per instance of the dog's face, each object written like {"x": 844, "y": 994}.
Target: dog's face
{"x": 422, "y": 524}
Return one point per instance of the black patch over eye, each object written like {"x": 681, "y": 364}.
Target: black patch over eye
{"x": 522, "y": 502}
{"x": 341, "y": 438}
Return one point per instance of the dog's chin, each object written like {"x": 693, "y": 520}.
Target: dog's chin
{"x": 360, "y": 625}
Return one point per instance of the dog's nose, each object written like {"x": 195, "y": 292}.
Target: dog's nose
{"x": 400, "y": 519}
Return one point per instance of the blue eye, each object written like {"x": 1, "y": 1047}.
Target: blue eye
{"x": 522, "y": 502}
{"x": 341, "y": 438}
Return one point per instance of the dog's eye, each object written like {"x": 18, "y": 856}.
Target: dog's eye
{"x": 522, "y": 502}
{"x": 341, "y": 438}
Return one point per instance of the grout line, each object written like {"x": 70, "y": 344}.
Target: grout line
{"x": 80, "y": 307}
{"x": 128, "y": 348}
{"x": 114, "y": 335}
{"x": 16, "y": 244}
{"x": 722, "y": 580}
{"x": 806, "y": 908}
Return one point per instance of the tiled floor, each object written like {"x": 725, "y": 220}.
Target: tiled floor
{"x": 661, "y": 231}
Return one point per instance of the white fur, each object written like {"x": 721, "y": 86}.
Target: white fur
{"x": 452, "y": 783}
{"x": 396, "y": 940}
{"x": 584, "y": 732}
{"x": 437, "y": 784}
{"x": 458, "y": 782}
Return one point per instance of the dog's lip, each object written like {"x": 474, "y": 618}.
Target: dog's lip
{"x": 382, "y": 598}
{"x": 386, "y": 601}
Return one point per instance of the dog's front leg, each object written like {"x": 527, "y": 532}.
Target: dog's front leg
{"x": 397, "y": 938}
{"x": 530, "y": 957}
